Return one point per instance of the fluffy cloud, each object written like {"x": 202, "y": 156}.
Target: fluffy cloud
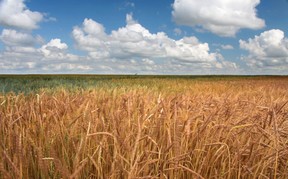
{"x": 54, "y": 49}
{"x": 269, "y": 50}
{"x": 89, "y": 37}
{"x": 24, "y": 43}
{"x": 129, "y": 49}
{"x": 136, "y": 42}
{"x": 14, "y": 13}
{"x": 221, "y": 17}
{"x": 24, "y": 53}
{"x": 13, "y": 38}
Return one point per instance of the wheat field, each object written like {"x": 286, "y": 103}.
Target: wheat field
{"x": 148, "y": 128}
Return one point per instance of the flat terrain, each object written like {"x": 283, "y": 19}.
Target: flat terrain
{"x": 79, "y": 126}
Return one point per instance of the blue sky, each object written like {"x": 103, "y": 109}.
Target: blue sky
{"x": 144, "y": 36}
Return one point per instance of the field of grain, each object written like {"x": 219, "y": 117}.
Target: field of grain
{"x": 144, "y": 127}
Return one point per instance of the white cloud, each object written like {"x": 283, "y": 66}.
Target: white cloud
{"x": 15, "y": 14}
{"x": 269, "y": 50}
{"x": 13, "y": 38}
{"x": 65, "y": 67}
{"x": 130, "y": 49}
{"x": 56, "y": 43}
{"x": 54, "y": 49}
{"x": 33, "y": 53}
{"x": 148, "y": 61}
{"x": 19, "y": 43}
{"x": 22, "y": 54}
{"x": 90, "y": 36}
{"x": 227, "y": 47}
{"x": 222, "y": 17}
{"x": 136, "y": 42}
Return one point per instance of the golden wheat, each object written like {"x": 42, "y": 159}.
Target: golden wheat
{"x": 203, "y": 129}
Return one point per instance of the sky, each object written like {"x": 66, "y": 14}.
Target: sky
{"x": 177, "y": 37}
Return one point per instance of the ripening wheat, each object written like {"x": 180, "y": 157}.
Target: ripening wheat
{"x": 181, "y": 129}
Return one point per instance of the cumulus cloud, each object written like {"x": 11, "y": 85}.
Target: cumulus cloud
{"x": 54, "y": 49}
{"x": 222, "y": 17}
{"x": 129, "y": 49}
{"x": 136, "y": 42}
{"x": 13, "y": 38}
{"x": 15, "y": 14}
{"x": 24, "y": 43}
{"x": 269, "y": 50}
{"x": 24, "y": 52}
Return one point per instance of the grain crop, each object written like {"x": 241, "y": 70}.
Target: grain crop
{"x": 148, "y": 128}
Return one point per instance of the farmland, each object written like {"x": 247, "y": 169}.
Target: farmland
{"x": 143, "y": 126}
